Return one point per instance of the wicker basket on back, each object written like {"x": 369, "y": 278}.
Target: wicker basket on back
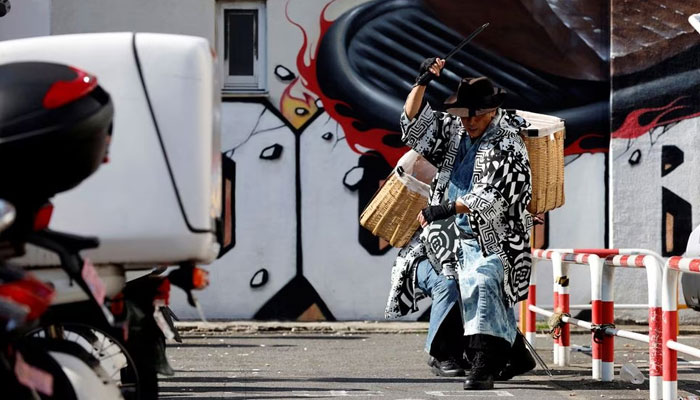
{"x": 392, "y": 213}
{"x": 544, "y": 140}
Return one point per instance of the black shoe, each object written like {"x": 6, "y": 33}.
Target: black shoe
{"x": 480, "y": 376}
{"x": 475, "y": 383}
{"x": 520, "y": 360}
{"x": 449, "y": 367}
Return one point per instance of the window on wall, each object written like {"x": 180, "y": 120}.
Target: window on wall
{"x": 242, "y": 46}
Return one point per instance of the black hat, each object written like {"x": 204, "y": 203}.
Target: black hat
{"x": 474, "y": 96}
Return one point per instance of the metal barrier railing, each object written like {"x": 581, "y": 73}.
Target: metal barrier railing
{"x": 601, "y": 263}
{"x": 672, "y": 269}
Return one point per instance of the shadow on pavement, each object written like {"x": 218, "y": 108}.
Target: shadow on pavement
{"x": 274, "y": 336}
{"x": 226, "y": 345}
{"x": 242, "y": 379}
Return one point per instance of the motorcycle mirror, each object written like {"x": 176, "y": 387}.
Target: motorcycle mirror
{"x": 7, "y": 214}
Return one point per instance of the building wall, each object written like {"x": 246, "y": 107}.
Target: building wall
{"x": 299, "y": 252}
{"x": 655, "y": 121}
{"x": 186, "y": 17}
{"x": 26, "y": 18}
{"x": 335, "y": 273}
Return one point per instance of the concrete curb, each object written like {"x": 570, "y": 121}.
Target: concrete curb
{"x": 343, "y": 327}
{"x": 217, "y": 327}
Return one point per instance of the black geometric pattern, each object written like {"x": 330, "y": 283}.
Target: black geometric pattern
{"x": 498, "y": 200}
{"x": 676, "y": 223}
{"x": 671, "y": 158}
{"x": 403, "y": 295}
{"x": 441, "y": 240}
{"x": 436, "y": 137}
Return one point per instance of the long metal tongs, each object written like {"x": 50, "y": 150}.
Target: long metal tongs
{"x": 460, "y": 45}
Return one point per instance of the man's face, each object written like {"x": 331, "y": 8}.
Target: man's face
{"x": 476, "y": 125}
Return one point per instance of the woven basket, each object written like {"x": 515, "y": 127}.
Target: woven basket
{"x": 392, "y": 214}
{"x": 544, "y": 140}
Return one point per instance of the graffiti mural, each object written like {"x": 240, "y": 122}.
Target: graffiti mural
{"x": 311, "y": 155}
{"x": 305, "y": 154}
{"x": 655, "y": 121}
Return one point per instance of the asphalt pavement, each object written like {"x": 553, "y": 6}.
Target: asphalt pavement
{"x": 248, "y": 360}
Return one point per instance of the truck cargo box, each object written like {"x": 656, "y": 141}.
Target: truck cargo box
{"x": 158, "y": 199}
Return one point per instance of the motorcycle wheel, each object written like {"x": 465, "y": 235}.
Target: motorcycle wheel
{"x": 110, "y": 352}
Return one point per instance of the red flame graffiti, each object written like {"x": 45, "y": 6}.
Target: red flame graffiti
{"x": 370, "y": 139}
{"x": 631, "y": 128}
{"x": 577, "y": 148}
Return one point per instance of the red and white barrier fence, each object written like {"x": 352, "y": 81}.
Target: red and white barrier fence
{"x": 672, "y": 269}
{"x": 601, "y": 263}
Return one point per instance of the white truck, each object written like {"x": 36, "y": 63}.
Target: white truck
{"x": 158, "y": 200}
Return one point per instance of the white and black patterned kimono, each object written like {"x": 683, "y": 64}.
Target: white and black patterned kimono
{"x": 500, "y": 192}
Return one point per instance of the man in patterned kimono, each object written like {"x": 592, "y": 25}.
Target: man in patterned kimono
{"x": 483, "y": 179}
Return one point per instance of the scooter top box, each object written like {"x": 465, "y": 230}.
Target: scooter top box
{"x": 158, "y": 198}
{"x": 54, "y": 129}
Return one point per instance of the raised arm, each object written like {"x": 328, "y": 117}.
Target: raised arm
{"x": 415, "y": 98}
{"x": 421, "y": 127}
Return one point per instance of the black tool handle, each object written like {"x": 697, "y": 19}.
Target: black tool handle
{"x": 458, "y": 47}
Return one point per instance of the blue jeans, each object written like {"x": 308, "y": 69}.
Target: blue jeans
{"x": 445, "y": 295}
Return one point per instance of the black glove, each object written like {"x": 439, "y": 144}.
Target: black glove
{"x": 442, "y": 211}
{"x": 424, "y": 75}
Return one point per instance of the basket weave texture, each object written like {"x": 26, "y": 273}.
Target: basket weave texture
{"x": 546, "y": 155}
{"x": 392, "y": 214}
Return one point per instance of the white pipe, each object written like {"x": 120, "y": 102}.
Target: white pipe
{"x": 564, "y": 356}
{"x": 655, "y": 271}
{"x": 568, "y": 320}
{"x": 670, "y": 282}
{"x": 607, "y": 293}
{"x": 556, "y": 289}
{"x": 683, "y": 348}
{"x": 617, "y": 306}
{"x": 587, "y": 325}
{"x": 670, "y": 389}
{"x": 655, "y": 388}
{"x": 541, "y": 311}
{"x": 669, "y": 306}
{"x": 607, "y": 372}
{"x": 627, "y": 334}
{"x": 654, "y": 268}
{"x": 531, "y": 337}
{"x": 631, "y": 306}
{"x": 595, "y": 264}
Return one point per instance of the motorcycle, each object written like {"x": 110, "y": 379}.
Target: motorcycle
{"x": 55, "y": 133}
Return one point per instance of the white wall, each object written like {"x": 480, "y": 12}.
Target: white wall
{"x": 27, "y": 18}
{"x": 353, "y": 283}
{"x": 579, "y": 223}
{"x": 186, "y": 17}
{"x": 265, "y": 215}
{"x": 638, "y": 217}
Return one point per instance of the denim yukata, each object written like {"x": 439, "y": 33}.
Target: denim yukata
{"x": 480, "y": 278}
